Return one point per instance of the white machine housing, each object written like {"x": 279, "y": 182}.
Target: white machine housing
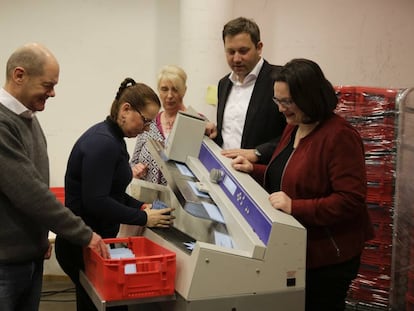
{"x": 262, "y": 267}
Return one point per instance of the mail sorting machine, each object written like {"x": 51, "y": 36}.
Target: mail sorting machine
{"x": 233, "y": 250}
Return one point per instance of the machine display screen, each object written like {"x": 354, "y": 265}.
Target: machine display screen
{"x": 229, "y": 184}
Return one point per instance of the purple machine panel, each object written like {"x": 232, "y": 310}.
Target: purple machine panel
{"x": 259, "y": 222}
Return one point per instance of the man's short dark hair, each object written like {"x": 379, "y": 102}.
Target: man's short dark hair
{"x": 242, "y": 25}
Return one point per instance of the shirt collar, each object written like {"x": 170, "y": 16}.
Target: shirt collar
{"x": 252, "y": 74}
{"x": 14, "y": 105}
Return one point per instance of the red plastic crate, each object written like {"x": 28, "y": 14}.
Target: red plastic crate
{"x": 369, "y": 294}
{"x": 364, "y": 101}
{"x": 380, "y": 126}
{"x": 373, "y": 100}
{"x": 412, "y": 256}
{"x": 373, "y": 146}
{"x": 380, "y": 192}
{"x": 346, "y": 100}
{"x": 345, "y": 93}
{"x": 380, "y": 167}
{"x": 410, "y": 282}
{"x": 377, "y": 253}
{"x": 409, "y": 298}
{"x": 373, "y": 268}
{"x": 59, "y": 193}
{"x": 380, "y": 282}
{"x": 380, "y": 213}
{"x": 155, "y": 266}
{"x": 383, "y": 233}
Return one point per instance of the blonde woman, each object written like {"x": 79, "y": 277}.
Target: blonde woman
{"x": 172, "y": 85}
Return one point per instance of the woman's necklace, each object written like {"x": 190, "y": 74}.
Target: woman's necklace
{"x": 168, "y": 122}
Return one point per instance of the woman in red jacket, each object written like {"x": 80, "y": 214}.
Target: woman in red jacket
{"x": 317, "y": 174}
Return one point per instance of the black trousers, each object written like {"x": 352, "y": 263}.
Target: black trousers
{"x": 327, "y": 287}
{"x": 70, "y": 258}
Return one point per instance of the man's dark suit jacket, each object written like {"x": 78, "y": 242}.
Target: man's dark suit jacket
{"x": 264, "y": 122}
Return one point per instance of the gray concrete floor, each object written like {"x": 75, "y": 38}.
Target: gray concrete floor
{"x": 58, "y": 293}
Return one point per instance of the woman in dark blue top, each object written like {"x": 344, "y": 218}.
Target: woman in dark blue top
{"x": 98, "y": 173}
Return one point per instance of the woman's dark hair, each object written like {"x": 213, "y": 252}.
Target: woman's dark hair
{"x": 136, "y": 94}
{"x": 309, "y": 89}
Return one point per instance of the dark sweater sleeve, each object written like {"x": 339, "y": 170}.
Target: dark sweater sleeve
{"x": 100, "y": 168}
{"x": 267, "y": 150}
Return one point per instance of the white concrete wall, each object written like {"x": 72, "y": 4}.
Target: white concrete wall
{"x": 99, "y": 42}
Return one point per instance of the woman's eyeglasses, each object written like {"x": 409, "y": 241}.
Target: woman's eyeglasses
{"x": 286, "y": 102}
{"x": 144, "y": 119}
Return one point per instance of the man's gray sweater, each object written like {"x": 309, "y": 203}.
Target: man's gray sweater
{"x": 28, "y": 209}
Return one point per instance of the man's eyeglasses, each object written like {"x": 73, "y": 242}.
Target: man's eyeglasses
{"x": 284, "y": 102}
{"x": 144, "y": 119}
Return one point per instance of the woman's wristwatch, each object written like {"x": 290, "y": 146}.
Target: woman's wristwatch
{"x": 257, "y": 153}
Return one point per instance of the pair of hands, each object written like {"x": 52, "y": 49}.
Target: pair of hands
{"x": 139, "y": 170}
{"x": 211, "y": 130}
{"x": 156, "y": 218}
{"x": 243, "y": 160}
{"x": 160, "y": 218}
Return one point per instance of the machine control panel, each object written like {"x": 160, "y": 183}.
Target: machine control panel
{"x": 258, "y": 221}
